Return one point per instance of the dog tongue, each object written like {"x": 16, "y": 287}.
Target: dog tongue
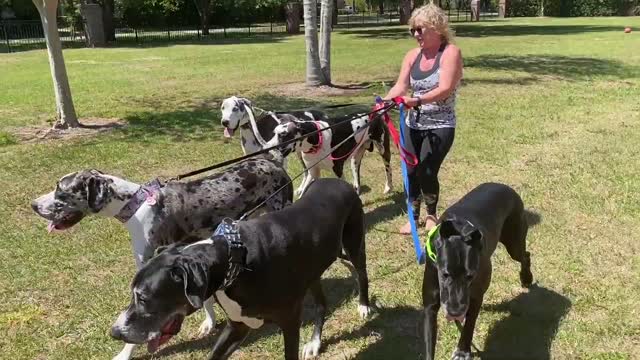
{"x": 51, "y": 228}
{"x": 152, "y": 346}
{"x": 228, "y": 133}
{"x": 460, "y": 318}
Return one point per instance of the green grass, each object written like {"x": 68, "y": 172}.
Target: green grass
{"x": 549, "y": 106}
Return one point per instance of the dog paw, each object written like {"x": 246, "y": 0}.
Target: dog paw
{"x": 311, "y": 349}
{"x": 205, "y": 328}
{"x": 364, "y": 311}
{"x": 461, "y": 355}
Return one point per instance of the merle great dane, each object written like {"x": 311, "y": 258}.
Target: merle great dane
{"x": 258, "y": 275}
{"x": 158, "y": 215}
{"x": 467, "y": 235}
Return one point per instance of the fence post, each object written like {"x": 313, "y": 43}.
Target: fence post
{"x": 6, "y": 35}
{"x": 168, "y": 33}
{"x": 136, "y": 32}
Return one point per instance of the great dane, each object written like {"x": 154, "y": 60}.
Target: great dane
{"x": 259, "y": 271}
{"x": 317, "y": 147}
{"x": 158, "y": 215}
{"x": 458, "y": 272}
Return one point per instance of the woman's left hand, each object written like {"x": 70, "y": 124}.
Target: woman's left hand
{"x": 410, "y": 101}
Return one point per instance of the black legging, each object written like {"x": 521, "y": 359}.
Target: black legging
{"x": 430, "y": 147}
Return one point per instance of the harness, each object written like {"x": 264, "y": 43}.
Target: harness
{"x": 146, "y": 193}
{"x": 237, "y": 251}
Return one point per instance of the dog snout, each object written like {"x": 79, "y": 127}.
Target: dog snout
{"x": 35, "y": 206}
{"x": 116, "y": 333}
{"x": 225, "y": 123}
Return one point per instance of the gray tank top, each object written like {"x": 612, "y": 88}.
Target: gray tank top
{"x": 439, "y": 114}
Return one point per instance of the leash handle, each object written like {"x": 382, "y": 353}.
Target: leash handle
{"x": 420, "y": 256}
{"x": 407, "y": 156}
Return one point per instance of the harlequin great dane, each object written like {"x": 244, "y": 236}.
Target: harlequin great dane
{"x": 318, "y": 146}
{"x": 158, "y": 215}
{"x": 259, "y": 270}
{"x": 254, "y": 135}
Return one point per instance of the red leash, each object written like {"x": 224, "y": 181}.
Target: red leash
{"x": 408, "y": 157}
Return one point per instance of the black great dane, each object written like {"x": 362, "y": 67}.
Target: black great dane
{"x": 259, "y": 272}
{"x": 462, "y": 245}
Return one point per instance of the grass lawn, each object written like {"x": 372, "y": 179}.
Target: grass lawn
{"x": 549, "y": 106}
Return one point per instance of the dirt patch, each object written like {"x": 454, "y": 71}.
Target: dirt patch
{"x": 301, "y": 89}
{"x": 90, "y": 127}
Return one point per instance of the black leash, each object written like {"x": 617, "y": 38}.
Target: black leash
{"x": 266, "y": 150}
{"x": 383, "y": 110}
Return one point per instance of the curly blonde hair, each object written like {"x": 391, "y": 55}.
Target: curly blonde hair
{"x": 431, "y": 16}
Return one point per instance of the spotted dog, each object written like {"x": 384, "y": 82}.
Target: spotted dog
{"x": 317, "y": 146}
{"x": 259, "y": 271}
{"x": 158, "y": 215}
{"x": 237, "y": 112}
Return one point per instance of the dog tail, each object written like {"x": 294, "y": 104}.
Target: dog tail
{"x": 533, "y": 218}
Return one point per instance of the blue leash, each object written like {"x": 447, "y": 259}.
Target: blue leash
{"x": 420, "y": 255}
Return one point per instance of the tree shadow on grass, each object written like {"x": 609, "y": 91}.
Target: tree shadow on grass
{"x": 484, "y": 29}
{"x": 563, "y": 67}
{"x": 202, "y": 121}
{"x": 502, "y": 29}
{"x": 338, "y": 291}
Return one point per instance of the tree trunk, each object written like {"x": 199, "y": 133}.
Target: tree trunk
{"x": 326, "y": 18}
{"x": 293, "y": 12}
{"x": 107, "y": 20}
{"x": 381, "y": 7}
{"x": 334, "y": 17}
{"x": 405, "y": 11}
{"x": 66, "y": 113}
{"x": 203, "y": 7}
{"x": 314, "y": 76}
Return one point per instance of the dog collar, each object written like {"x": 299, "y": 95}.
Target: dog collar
{"x": 147, "y": 192}
{"x": 237, "y": 251}
{"x": 430, "y": 236}
{"x": 315, "y": 148}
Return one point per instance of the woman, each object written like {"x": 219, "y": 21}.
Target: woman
{"x": 433, "y": 71}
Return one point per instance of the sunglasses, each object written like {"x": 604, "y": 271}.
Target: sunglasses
{"x": 418, "y": 30}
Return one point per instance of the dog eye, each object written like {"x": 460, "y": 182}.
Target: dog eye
{"x": 235, "y": 109}
{"x": 446, "y": 275}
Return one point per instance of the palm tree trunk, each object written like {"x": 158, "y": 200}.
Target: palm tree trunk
{"x": 314, "y": 76}
{"x": 326, "y": 18}
{"x": 64, "y": 103}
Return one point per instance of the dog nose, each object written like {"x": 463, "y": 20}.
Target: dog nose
{"x": 34, "y": 206}
{"x": 225, "y": 123}
{"x": 116, "y": 333}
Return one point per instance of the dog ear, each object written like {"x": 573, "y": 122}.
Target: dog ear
{"x": 196, "y": 282}
{"x": 292, "y": 126}
{"x": 98, "y": 191}
{"x": 243, "y": 102}
{"x": 160, "y": 249}
{"x": 473, "y": 238}
{"x": 447, "y": 229}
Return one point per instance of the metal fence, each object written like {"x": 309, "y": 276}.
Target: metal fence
{"x": 28, "y": 35}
